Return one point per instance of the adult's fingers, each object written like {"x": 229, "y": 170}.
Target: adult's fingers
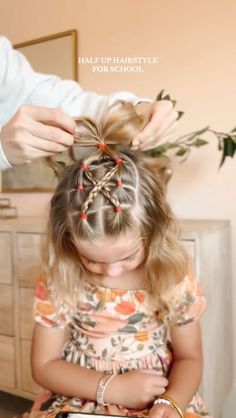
{"x": 34, "y": 154}
{"x": 167, "y": 123}
{"x": 52, "y": 134}
{"x": 153, "y": 133}
{"x": 36, "y": 145}
{"x": 157, "y": 139}
{"x": 49, "y": 116}
{"x": 158, "y": 112}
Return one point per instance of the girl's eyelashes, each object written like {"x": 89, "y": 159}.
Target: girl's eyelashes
{"x": 126, "y": 259}
{"x": 130, "y": 258}
{"x": 91, "y": 262}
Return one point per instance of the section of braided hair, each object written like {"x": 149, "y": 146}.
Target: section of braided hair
{"x": 103, "y": 175}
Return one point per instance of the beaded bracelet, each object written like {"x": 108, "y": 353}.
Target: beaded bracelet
{"x": 103, "y": 382}
{"x": 166, "y": 400}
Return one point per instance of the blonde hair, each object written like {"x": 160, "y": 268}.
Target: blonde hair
{"x": 85, "y": 204}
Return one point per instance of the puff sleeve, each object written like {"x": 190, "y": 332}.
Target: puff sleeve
{"x": 45, "y": 312}
{"x": 189, "y": 301}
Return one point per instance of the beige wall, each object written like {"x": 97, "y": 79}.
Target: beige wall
{"x": 195, "y": 44}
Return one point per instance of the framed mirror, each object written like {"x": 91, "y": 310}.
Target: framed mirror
{"x": 54, "y": 54}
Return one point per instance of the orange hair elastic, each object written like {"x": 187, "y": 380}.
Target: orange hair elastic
{"x": 84, "y": 166}
{"x": 118, "y": 161}
{"x": 102, "y": 145}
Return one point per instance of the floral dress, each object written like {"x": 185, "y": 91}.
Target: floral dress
{"x": 117, "y": 330}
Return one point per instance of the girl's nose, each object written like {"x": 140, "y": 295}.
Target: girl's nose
{"x": 112, "y": 270}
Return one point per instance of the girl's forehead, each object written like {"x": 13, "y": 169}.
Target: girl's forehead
{"x": 106, "y": 248}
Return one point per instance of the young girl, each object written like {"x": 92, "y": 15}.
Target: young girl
{"x": 117, "y": 309}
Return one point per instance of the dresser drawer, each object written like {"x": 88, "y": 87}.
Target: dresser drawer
{"x": 5, "y": 258}
{"x": 6, "y": 310}
{"x": 27, "y": 382}
{"x": 7, "y": 362}
{"x": 29, "y": 250}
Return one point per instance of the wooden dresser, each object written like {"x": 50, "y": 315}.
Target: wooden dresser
{"x": 21, "y": 242}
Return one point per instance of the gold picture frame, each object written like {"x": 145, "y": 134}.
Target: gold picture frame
{"x": 54, "y": 54}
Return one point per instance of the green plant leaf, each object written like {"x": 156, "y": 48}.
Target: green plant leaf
{"x": 180, "y": 114}
{"x": 200, "y": 142}
{"x": 160, "y": 95}
{"x": 202, "y": 131}
{"x": 220, "y": 145}
{"x": 172, "y": 145}
{"x": 167, "y": 97}
{"x": 161, "y": 149}
{"x": 181, "y": 152}
{"x": 229, "y": 148}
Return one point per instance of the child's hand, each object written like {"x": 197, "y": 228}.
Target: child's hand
{"x": 163, "y": 411}
{"x": 135, "y": 389}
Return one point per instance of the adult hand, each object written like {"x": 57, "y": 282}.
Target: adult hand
{"x": 163, "y": 411}
{"x": 35, "y": 132}
{"x": 162, "y": 119}
{"x": 135, "y": 389}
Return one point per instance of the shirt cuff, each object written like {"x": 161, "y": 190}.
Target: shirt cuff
{"x": 4, "y": 163}
{"x": 143, "y": 100}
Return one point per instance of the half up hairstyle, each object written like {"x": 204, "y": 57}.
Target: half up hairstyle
{"x": 108, "y": 192}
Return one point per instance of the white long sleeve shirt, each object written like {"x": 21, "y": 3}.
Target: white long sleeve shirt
{"x": 20, "y": 84}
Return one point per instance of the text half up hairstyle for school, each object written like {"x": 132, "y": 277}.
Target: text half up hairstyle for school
{"x": 110, "y": 191}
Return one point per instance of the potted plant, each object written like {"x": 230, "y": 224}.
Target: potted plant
{"x": 183, "y": 145}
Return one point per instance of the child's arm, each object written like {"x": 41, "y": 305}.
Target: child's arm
{"x": 134, "y": 389}
{"x": 52, "y": 372}
{"x": 186, "y": 370}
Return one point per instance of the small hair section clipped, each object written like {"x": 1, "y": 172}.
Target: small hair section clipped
{"x": 102, "y": 145}
{"x": 118, "y": 161}
{"x": 83, "y": 216}
{"x": 84, "y": 166}
{"x": 117, "y": 209}
{"x": 80, "y": 186}
{"x": 119, "y": 183}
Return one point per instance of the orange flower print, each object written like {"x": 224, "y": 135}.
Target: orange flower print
{"x": 41, "y": 291}
{"x": 141, "y": 336}
{"x": 107, "y": 296}
{"x": 125, "y": 308}
{"x": 44, "y": 309}
{"x": 139, "y": 296}
{"x": 119, "y": 292}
